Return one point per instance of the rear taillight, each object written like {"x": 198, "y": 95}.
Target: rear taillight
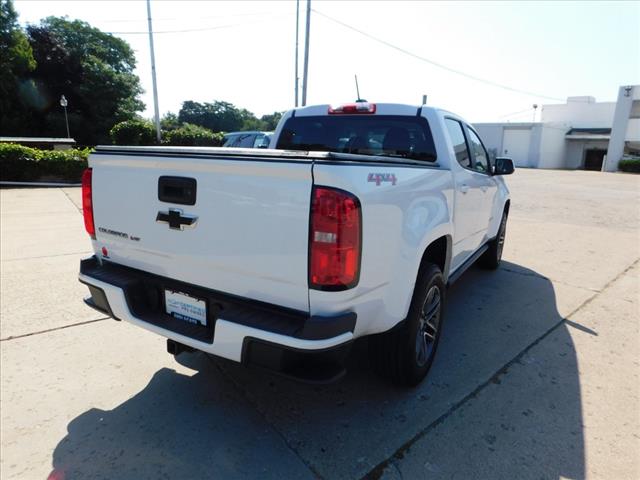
{"x": 334, "y": 240}
{"x": 353, "y": 108}
{"x": 87, "y": 203}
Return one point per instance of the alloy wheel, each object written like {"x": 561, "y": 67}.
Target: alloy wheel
{"x": 429, "y": 325}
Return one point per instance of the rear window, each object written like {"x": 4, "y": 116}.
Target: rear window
{"x": 229, "y": 140}
{"x": 240, "y": 140}
{"x": 384, "y": 135}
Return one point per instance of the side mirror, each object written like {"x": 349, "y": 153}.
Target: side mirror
{"x": 503, "y": 166}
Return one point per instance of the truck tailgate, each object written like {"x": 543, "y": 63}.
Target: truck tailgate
{"x": 250, "y": 228}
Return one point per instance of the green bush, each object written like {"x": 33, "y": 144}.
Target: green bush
{"x": 133, "y": 132}
{"x": 193, "y": 135}
{"x": 629, "y": 165}
{"x": 24, "y": 164}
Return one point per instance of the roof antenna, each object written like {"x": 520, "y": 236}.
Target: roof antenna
{"x": 358, "y": 91}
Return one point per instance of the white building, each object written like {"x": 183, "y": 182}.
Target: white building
{"x": 578, "y": 134}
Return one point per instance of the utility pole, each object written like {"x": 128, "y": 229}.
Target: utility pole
{"x": 535, "y": 107}
{"x": 305, "y": 78}
{"x": 297, "y": 30}
{"x": 424, "y": 99}
{"x": 153, "y": 75}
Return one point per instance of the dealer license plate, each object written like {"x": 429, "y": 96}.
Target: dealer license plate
{"x": 185, "y": 307}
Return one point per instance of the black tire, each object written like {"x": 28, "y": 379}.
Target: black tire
{"x": 490, "y": 259}
{"x": 396, "y": 354}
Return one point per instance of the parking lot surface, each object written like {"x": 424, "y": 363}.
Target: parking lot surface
{"x": 537, "y": 375}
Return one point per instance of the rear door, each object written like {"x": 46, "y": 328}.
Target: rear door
{"x": 249, "y": 220}
{"x": 468, "y": 197}
{"x": 488, "y": 185}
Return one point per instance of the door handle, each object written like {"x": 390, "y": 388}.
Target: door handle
{"x": 484, "y": 188}
{"x": 181, "y": 190}
{"x": 464, "y": 188}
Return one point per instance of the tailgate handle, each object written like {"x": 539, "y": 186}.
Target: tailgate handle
{"x": 180, "y": 190}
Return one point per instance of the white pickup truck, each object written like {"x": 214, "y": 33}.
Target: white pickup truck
{"x": 352, "y": 224}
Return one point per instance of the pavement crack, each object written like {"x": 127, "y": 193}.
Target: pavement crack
{"x": 526, "y": 274}
{"x": 537, "y": 275}
{"x": 397, "y": 468}
{"x": 15, "y": 337}
{"x": 72, "y": 202}
{"x": 46, "y": 256}
{"x": 376, "y": 472}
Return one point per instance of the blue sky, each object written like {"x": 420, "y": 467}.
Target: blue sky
{"x": 244, "y": 51}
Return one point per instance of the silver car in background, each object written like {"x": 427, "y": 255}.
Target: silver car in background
{"x": 251, "y": 139}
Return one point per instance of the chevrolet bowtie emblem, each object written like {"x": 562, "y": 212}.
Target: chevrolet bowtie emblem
{"x": 176, "y": 219}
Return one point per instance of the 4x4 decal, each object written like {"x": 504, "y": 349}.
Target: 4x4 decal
{"x": 378, "y": 178}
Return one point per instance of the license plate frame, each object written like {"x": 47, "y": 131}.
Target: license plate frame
{"x": 185, "y": 307}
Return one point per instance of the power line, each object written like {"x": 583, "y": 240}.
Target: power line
{"x": 190, "y": 30}
{"x": 186, "y": 30}
{"x": 528, "y": 110}
{"x": 434, "y": 63}
{"x": 211, "y": 17}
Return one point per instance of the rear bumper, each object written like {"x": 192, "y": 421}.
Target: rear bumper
{"x": 238, "y": 329}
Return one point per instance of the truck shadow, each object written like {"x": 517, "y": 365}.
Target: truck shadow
{"x": 504, "y": 348}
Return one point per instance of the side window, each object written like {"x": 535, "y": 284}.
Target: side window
{"x": 459, "y": 144}
{"x": 246, "y": 141}
{"x": 479, "y": 154}
{"x": 261, "y": 141}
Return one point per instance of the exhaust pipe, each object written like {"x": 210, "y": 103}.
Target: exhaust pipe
{"x": 176, "y": 348}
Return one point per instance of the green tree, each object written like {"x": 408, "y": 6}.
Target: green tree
{"x": 193, "y": 135}
{"x": 217, "y": 116}
{"x": 265, "y": 123}
{"x": 169, "y": 122}
{"x": 250, "y": 121}
{"x": 270, "y": 122}
{"x": 94, "y": 71}
{"x": 133, "y": 132}
{"x": 16, "y": 62}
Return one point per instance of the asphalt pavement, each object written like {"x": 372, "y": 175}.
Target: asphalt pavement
{"x": 536, "y": 375}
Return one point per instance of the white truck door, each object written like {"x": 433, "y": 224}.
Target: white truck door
{"x": 469, "y": 196}
{"x": 488, "y": 185}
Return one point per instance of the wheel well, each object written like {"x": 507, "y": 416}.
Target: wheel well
{"x": 438, "y": 252}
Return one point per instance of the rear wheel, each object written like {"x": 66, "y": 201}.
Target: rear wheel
{"x": 405, "y": 354}
{"x": 492, "y": 257}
